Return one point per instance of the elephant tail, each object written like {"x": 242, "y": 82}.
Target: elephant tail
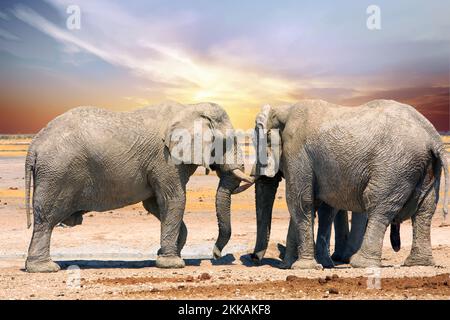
{"x": 441, "y": 155}
{"x": 29, "y": 168}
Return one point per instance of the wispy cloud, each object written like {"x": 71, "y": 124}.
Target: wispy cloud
{"x": 272, "y": 62}
{"x": 184, "y": 77}
{"x": 3, "y": 16}
{"x": 241, "y": 55}
{"x": 7, "y": 35}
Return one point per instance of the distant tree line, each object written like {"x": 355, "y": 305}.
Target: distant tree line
{"x": 16, "y": 136}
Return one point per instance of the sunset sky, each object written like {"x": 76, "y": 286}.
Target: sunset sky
{"x": 240, "y": 54}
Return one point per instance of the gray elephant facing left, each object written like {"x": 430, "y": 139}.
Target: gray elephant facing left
{"x": 91, "y": 159}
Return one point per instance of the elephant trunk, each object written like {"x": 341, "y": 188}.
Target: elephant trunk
{"x": 265, "y": 189}
{"x": 223, "y": 203}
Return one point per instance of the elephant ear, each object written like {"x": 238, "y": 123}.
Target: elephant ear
{"x": 188, "y": 138}
{"x": 268, "y": 146}
{"x": 272, "y": 166}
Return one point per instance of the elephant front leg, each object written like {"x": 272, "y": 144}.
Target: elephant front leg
{"x": 301, "y": 208}
{"x": 290, "y": 255}
{"x": 38, "y": 259}
{"x": 181, "y": 240}
{"x": 151, "y": 206}
{"x": 304, "y": 220}
{"x": 171, "y": 221}
{"x": 421, "y": 252}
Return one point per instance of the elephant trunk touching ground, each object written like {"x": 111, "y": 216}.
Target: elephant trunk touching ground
{"x": 223, "y": 204}
{"x": 265, "y": 191}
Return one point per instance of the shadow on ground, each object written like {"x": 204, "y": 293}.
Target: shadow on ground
{"x": 137, "y": 264}
{"x": 228, "y": 259}
{"x": 248, "y": 262}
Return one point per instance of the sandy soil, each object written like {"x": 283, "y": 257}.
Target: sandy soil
{"x": 115, "y": 252}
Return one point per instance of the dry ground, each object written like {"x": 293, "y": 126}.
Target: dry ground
{"x": 116, "y": 251}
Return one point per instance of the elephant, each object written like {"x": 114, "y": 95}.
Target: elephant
{"x": 92, "y": 159}
{"x": 383, "y": 158}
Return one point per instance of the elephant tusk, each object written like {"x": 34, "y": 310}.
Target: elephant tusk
{"x": 242, "y": 176}
{"x": 242, "y": 188}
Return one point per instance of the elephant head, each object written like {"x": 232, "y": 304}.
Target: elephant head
{"x": 267, "y": 170}
{"x": 203, "y": 135}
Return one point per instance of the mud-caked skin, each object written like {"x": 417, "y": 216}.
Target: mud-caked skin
{"x": 91, "y": 159}
{"x": 382, "y": 158}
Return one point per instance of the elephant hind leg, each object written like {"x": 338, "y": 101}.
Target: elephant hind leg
{"x": 380, "y": 216}
{"x": 38, "y": 258}
{"x": 301, "y": 207}
{"x": 47, "y": 214}
{"x": 421, "y": 252}
{"x": 151, "y": 205}
{"x": 371, "y": 250}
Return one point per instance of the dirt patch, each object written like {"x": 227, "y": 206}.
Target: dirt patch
{"x": 134, "y": 281}
{"x": 300, "y": 288}
{"x": 143, "y": 280}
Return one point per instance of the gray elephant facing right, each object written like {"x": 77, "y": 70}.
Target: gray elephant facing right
{"x": 383, "y": 158}
{"x": 91, "y": 159}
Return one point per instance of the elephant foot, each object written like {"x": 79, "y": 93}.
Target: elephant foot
{"x": 341, "y": 257}
{"x": 256, "y": 259}
{"x": 288, "y": 260}
{"x": 306, "y": 264}
{"x": 359, "y": 261}
{"x": 337, "y": 257}
{"x": 419, "y": 260}
{"x": 41, "y": 266}
{"x": 281, "y": 251}
{"x": 345, "y": 257}
{"x": 285, "y": 265}
{"x": 325, "y": 261}
{"x": 159, "y": 252}
{"x": 170, "y": 262}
